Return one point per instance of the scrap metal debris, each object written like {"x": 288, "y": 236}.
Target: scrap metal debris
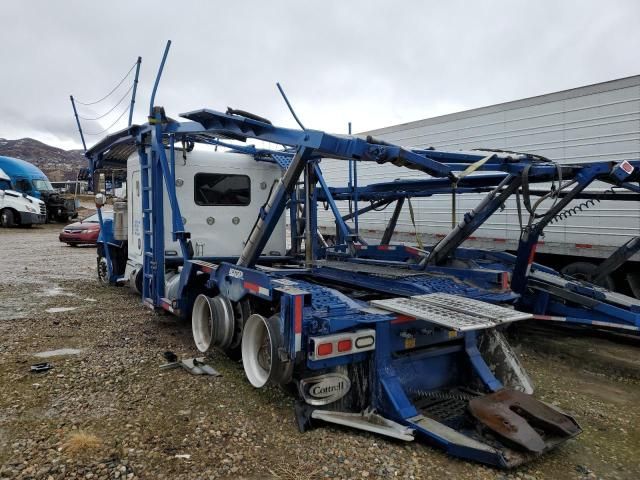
{"x": 41, "y": 367}
{"x": 196, "y": 366}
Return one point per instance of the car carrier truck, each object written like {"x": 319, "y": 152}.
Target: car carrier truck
{"x": 397, "y": 340}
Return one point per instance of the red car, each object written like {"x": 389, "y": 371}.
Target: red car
{"x": 84, "y": 232}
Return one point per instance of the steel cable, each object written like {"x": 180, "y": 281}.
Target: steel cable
{"x": 113, "y": 90}
{"x": 111, "y": 109}
{"x": 109, "y": 127}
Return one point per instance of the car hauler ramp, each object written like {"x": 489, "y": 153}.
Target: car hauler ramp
{"x": 452, "y": 311}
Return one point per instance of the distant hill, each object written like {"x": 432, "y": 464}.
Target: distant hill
{"x": 56, "y": 163}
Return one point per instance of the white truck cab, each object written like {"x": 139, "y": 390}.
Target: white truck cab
{"x": 17, "y": 208}
{"x": 219, "y": 195}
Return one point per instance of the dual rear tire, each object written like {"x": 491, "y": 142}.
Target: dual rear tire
{"x": 231, "y": 327}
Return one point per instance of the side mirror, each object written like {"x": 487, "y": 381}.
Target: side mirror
{"x": 100, "y": 200}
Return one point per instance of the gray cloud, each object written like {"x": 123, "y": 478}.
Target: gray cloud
{"x": 372, "y": 62}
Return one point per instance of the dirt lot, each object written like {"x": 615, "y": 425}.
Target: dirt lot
{"x": 108, "y": 411}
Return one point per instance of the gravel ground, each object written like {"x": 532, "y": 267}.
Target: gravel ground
{"x": 110, "y": 412}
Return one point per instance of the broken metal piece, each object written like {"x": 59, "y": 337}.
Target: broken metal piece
{"x": 197, "y": 366}
{"x": 41, "y": 367}
{"x": 367, "y": 420}
{"x": 515, "y": 416}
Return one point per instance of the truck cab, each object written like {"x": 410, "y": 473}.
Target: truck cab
{"x": 219, "y": 194}
{"x": 29, "y": 179}
{"x": 18, "y": 208}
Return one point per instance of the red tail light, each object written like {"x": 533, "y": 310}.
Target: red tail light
{"x": 344, "y": 345}
{"x": 325, "y": 349}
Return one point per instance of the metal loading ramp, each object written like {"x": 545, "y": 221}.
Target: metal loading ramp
{"x": 452, "y": 311}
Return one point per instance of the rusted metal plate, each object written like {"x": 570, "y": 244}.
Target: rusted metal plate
{"x": 518, "y": 417}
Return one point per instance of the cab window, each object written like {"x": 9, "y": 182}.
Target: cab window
{"x": 211, "y": 189}
{"x": 23, "y": 186}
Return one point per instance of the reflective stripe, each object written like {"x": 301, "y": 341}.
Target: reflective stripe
{"x": 255, "y": 288}
{"x": 505, "y": 280}
{"x": 297, "y": 322}
{"x": 402, "y": 319}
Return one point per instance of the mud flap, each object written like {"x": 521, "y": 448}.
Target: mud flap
{"x": 523, "y": 421}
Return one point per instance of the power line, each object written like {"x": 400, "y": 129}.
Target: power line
{"x": 111, "y": 109}
{"x": 109, "y": 127}
{"x": 113, "y": 90}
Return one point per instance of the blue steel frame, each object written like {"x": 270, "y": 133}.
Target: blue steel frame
{"x": 308, "y": 307}
{"x": 312, "y": 309}
{"x": 312, "y": 145}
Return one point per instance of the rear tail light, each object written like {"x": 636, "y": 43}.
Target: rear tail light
{"x": 345, "y": 345}
{"x": 325, "y": 349}
{"x": 339, "y": 344}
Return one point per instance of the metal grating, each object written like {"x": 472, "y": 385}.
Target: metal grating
{"x": 445, "y": 317}
{"x": 449, "y": 408}
{"x": 376, "y": 270}
{"x": 474, "y": 307}
{"x": 451, "y": 311}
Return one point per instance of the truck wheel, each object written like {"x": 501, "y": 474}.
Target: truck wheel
{"x": 103, "y": 271}
{"x": 261, "y": 343}
{"x": 586, "y": 271}
{"x": 7, "y": 218}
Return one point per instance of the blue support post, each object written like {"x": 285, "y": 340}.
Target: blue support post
{"x": 355, "y": 199}
{"x": 172, "y": 158}
{"x": 135, "y": 88}
{"x": 350, "y": 184}
{"x": 107, "y": 254}
{"x": 478, "y": 363}
{"x": 178, "y": 233}
{"x": 293, "y": 222}
{"x": 313, "y": 217}
{"x": 147, "y": 226}
{"x": 75, "y": 113}
{"x": 157, "y": 264}
{"x": 342, "y": 226}
{"x": 155, "y": 85}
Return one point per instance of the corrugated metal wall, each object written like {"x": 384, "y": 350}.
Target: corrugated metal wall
{"x": 597, "y": 122}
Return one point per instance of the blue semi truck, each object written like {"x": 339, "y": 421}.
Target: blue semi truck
{"x": 29, "y": 179}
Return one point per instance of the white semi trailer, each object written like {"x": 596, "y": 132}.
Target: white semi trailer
{"x": 591, "y": 123}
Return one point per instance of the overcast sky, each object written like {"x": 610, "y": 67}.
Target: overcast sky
{"x": 373, "y": 63}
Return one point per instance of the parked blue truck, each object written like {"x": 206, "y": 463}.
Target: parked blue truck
{"x": 29, "y": 179}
